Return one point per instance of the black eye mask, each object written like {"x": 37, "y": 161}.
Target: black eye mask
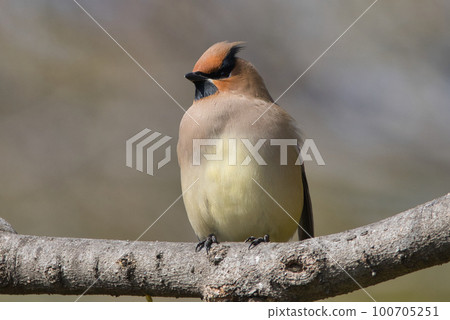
{"x": 204, "y": 87}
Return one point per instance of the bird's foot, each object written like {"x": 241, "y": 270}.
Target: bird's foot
{"x": 255, "y": 241}
{"x": 207, "y": 243}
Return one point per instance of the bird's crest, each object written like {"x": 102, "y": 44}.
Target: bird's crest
{"x": 218, "y": 59}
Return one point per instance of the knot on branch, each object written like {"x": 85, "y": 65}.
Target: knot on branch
{"x": 128, "y": 264}
{"x": 54, "y": 273}
{"x": 303, "y": 265}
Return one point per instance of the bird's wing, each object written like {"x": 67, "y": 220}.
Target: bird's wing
{"x": 306, "y": 228}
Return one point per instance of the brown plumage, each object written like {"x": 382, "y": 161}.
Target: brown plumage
{"x": 212, "y": 59}
{"x": 226, "y": 200}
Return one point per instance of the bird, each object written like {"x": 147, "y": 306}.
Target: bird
{"x": 237, "y": 195}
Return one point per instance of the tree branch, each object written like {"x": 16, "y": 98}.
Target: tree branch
{"x": 298, "y": 271}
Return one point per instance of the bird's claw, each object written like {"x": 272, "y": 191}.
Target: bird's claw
{"x": 207, "y": 243}
{"x": 255, "y": 241}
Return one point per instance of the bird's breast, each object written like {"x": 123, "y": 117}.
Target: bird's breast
{"x": 242, "y": 189}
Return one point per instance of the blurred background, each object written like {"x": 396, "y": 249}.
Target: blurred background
{"x": 377, "y": 106}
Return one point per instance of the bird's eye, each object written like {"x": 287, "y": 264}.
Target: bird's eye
{"x": 224, "y": 70}
{"x": 224, "y": 73}
{"x": 228, "y": 64}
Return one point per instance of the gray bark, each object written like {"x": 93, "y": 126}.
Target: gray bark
{"x": 297, "y": 271}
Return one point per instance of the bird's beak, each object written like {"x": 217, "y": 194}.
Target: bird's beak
{"x": 195, "y": 76}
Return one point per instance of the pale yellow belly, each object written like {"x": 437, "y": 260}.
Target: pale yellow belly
{"x": 227, "y": 202}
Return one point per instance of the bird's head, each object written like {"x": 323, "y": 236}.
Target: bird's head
{"x": 219, "y": 71}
